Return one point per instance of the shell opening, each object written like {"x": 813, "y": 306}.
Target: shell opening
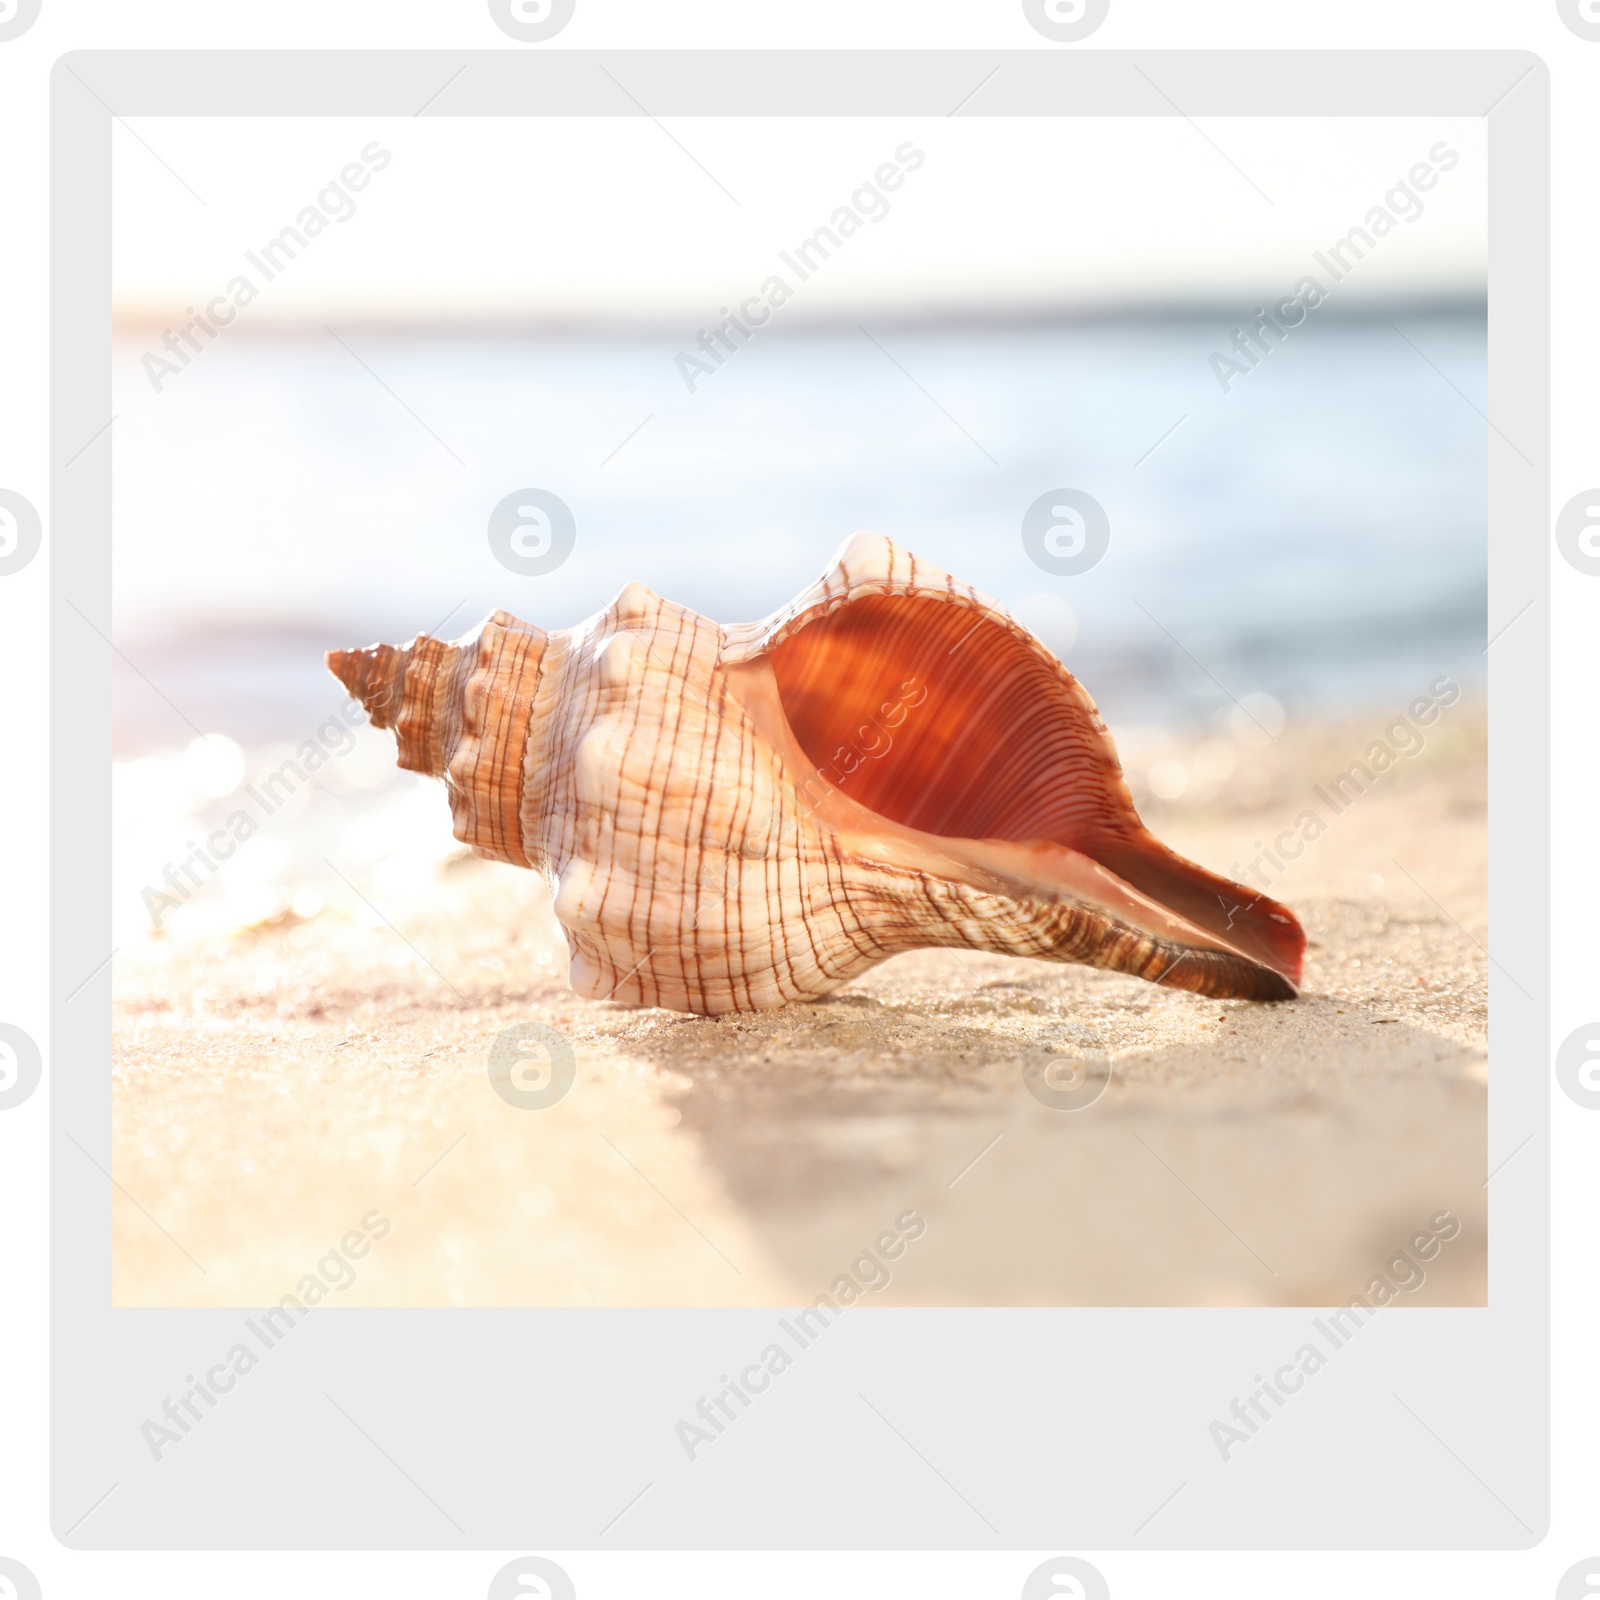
{"x": 937, "y": 717}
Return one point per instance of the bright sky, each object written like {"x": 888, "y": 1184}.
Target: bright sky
{"x": 622, "y": 219}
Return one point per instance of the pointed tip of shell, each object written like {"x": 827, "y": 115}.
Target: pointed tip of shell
{"x": 374, "y": 677}
{"x": 408, "y": 688}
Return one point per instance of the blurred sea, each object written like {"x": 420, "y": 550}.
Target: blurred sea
{"x": 1314, "y": 540}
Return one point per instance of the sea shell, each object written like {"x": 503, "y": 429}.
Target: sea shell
{"x": 734, "y": 818}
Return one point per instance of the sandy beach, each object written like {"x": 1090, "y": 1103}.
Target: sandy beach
{"x": 276, "y": 1087}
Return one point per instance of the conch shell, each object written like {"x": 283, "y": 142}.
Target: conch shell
{"x": 734, "y": 818}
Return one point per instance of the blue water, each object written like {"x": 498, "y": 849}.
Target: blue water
{"x": 1317, "y": 534}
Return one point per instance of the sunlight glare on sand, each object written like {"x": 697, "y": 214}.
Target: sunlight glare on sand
{"x": 211, "y": 840}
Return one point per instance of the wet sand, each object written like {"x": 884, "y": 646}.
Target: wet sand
{"x": 275, "y": 1087}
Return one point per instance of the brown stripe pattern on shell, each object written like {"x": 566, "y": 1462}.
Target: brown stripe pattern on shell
{"x": 734, "y": 818}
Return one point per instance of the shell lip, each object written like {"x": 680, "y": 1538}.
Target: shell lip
{"x": 865, "y": 564}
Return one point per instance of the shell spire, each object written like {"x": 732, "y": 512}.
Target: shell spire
{"x": 460, "y": 711}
